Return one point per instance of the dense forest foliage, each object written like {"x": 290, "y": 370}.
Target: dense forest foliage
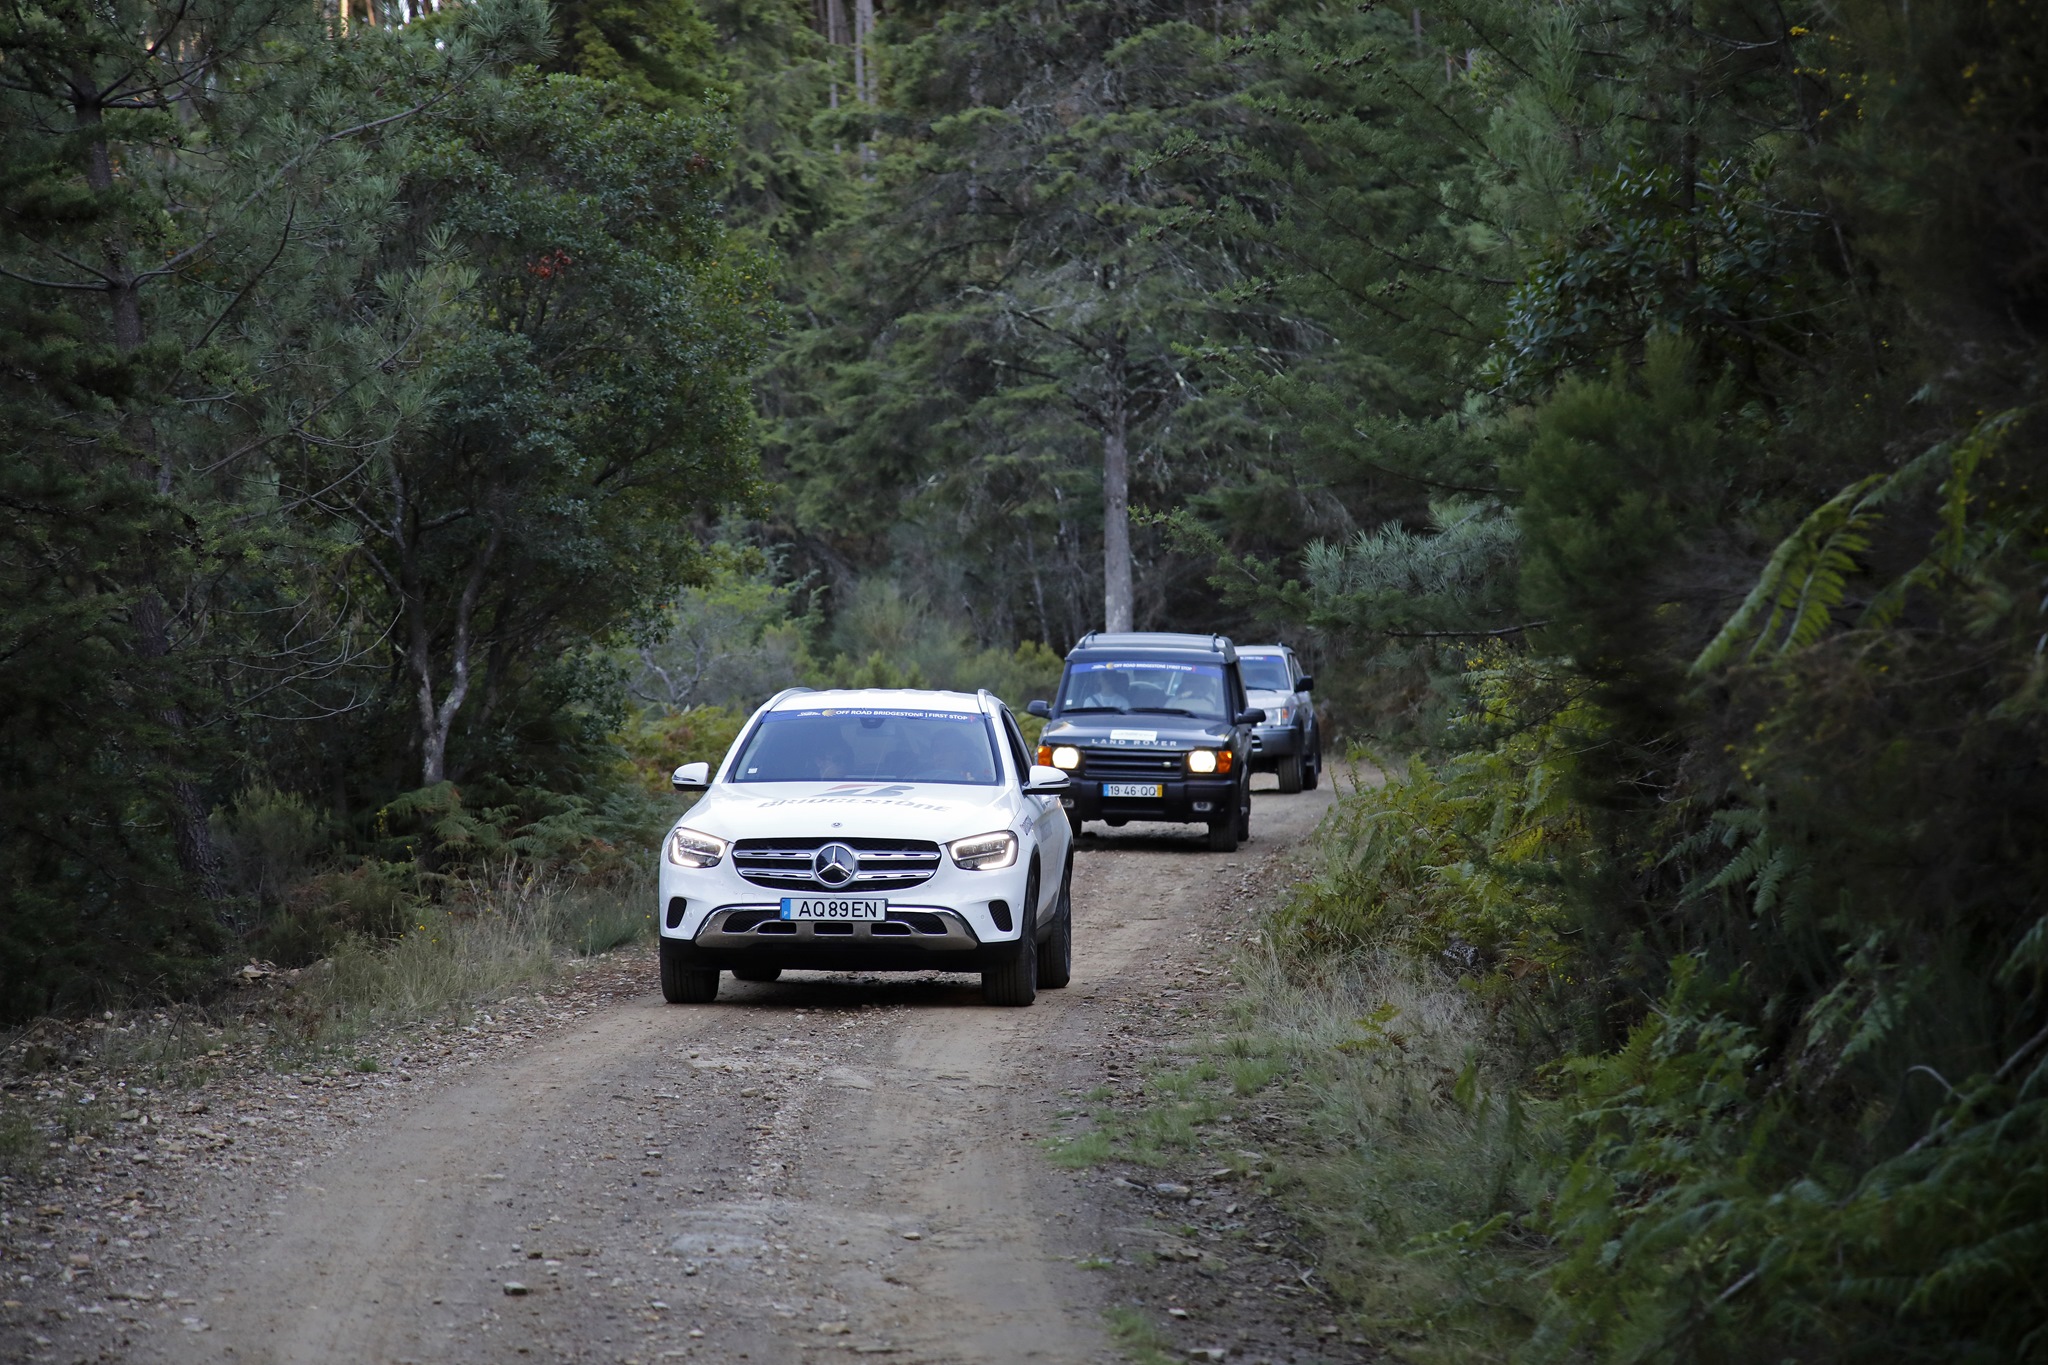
{"x": 421, "y": 428}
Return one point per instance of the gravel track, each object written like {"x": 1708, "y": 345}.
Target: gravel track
{"x": 825, "y": 1167}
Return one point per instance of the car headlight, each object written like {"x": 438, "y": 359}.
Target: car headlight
{"x": 688, "y": 848}
{"x": 1208, "y": 760}
{"x": 984, "y": 852}
{"x": 1065, "y": 757}
{"x": 1280, "y": 715}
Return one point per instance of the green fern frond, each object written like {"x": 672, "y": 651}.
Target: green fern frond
{"x": 1807, "y": 577}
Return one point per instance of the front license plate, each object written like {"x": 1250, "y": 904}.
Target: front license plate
{"x": 1144, "y": 791}
{"x": 834, "y": 907}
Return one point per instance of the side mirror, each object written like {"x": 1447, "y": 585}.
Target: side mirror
{"x": 1307, "y": 684}
{"x": 1046, "y": 779}
{"x": 1255, "y": 716}
{"x": 1041, "y": 709}
{"x": 691, "y": 777}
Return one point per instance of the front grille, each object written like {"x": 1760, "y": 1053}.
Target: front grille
{"x": 885, "y": 864}
{"x": 1125, "y": 767}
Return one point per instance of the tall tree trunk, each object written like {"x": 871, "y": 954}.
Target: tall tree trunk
{"x": 437, "y": 718}
{"x": 863, "y": 26}
{"x": 1116, "y": 510}
{"x": 191, "y": 832}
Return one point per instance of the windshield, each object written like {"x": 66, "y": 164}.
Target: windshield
{"x": 869, "y": 744}
{"x": 1264, "y": 673}
{"x": 1144, "y": 686}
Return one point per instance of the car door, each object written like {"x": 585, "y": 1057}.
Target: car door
{"x": 1303, "y": 704}
{"x": 1045, "y": 823}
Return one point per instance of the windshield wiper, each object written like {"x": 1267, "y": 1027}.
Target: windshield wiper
{"x": 1077, "y": 710}
{"x": 1166, "y": 711}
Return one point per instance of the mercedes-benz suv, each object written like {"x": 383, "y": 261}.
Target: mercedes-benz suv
{"x": 872, "y": 830}
{"x": 1154, "y": 726}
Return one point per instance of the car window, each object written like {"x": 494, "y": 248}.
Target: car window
{"x": 1017, "y": 751}
{"x": 869, "y": 744}
{"x": 1265, "y": 672}
{"x": 1142, "y": 685}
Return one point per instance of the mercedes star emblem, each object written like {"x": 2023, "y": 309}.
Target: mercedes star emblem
{"x": 834, "y": 865}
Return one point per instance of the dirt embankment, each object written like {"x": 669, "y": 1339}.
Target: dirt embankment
{"x": 831, "y": 1165}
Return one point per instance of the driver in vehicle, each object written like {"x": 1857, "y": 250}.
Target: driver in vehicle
{"x": 955, "y": 756}
{"x": 1203, "y": 695}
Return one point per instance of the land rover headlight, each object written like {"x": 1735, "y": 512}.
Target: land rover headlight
{"x": 1207, "y": 761}
{"x": 688, "y": 848}
{"x": 984, "y": 852}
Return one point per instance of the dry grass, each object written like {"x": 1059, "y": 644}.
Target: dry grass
{"x": 1407, "y": 1154}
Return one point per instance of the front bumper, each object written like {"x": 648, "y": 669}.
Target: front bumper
{"x": 1184, "y": 800}
{"x": 1273, "y": 742}
{"x": 949, "y": 922}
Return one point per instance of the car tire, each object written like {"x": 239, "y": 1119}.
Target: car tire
{"x": 1056, "y": 954}
{"x": 1289, "y": 771}
{"x": 1014, "y": 980}
{"x": 1223, "y": 834}
{"x": 1312, "y": 773}
{"x": 682, "y": 982}
{"x": 761, "y": 975}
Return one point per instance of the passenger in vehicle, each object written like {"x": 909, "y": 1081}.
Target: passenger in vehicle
{"x": 1109, "y": 688}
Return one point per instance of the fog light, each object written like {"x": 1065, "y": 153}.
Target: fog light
{"x": 1201, "y": 805}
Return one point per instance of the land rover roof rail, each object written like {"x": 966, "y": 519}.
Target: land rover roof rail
{"x": 1155, "y": 639}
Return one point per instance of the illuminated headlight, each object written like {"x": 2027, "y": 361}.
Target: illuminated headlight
{"x": 984, "y": 852}
{"x": 1201, "y": 760}
{"x": 1065, "y": 757}
{"x": 688, "y": 848}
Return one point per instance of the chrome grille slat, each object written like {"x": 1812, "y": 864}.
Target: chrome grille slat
{"x": 885, "y": 864}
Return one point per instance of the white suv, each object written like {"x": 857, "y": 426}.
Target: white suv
{"x": 873, "y": 830}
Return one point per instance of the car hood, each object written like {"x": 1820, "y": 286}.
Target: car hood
{"x": 1106, "y": 731}
{"x": 850, "y": 810}
{"x": 1270, "y": 702}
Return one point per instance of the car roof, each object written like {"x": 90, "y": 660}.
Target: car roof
{"x": 1262, "y": 649}
{"x": 1156, "y": 643}
{"x": 925, "y": 699}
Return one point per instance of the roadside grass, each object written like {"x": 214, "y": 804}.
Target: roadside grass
{"x": 492, "y": 937}
{"x": 1376, "y": 1088}
{"x": 1138, "y": 1337}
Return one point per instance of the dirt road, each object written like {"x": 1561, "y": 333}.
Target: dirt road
{"x": 827, "y": 1166}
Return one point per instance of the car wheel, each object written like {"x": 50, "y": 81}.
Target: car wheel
{"x": 682, "y": 982}
{"x": 760, "y": 974}
{"x": 1289, "y": 772}
{"x": 1223, "y": 834}
{"x": 1244, "y": 812}
{"x": 1312, "y": 773}
{"x": 1014, "y": 981}
{"x": 1056, "y": 954}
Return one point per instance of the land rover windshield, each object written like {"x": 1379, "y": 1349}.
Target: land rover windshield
{"x": 1144, "y": 687}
